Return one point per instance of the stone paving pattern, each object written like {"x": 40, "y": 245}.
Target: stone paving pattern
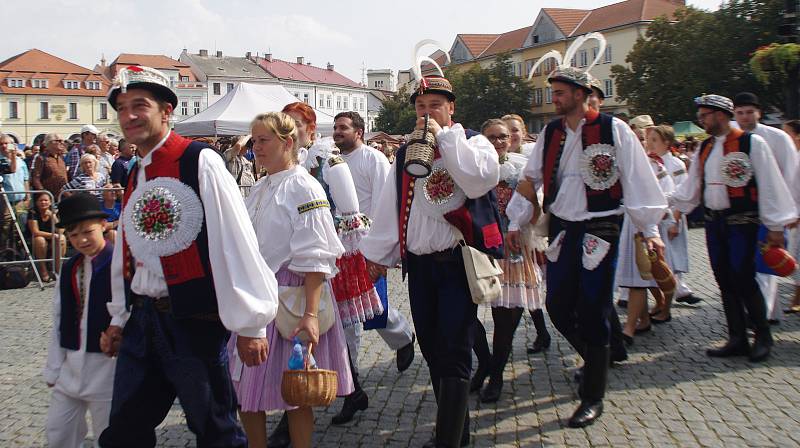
{"x": 668, "y": 394}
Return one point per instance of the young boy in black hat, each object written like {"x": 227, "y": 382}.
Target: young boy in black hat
{"x": 80, "y": 374}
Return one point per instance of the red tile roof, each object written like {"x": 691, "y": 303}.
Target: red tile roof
{"x": 156, "y": 61}
{"x": 440, "y": 57}
{"x": 507, "y": 42}
{"x": 477, "y": 43}
{"x": 41, "y": 65}
{"x": 627, "y": 12}
{"x": 304, "y": 73}
{"x": 566, "y": 19}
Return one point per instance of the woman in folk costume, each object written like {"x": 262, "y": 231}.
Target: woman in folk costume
{"x": 522, "y": 279}
{"x": 297, "y": 238}
{"x": 518, "y": 131}
{"x": 659, "y": 140}
{"x": 628, "y": 273}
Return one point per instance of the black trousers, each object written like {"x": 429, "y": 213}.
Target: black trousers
{"x": 160, "y": 358}
{"x": 731, "y": 250}
{"x": 443, "y": 312}
{"x": 579, "y": 300}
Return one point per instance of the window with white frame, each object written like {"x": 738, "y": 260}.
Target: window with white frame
{"x": 217, "y": 86}
{"x": 608, "y": 86}
{"x": 583, "y": 55}
{"x": 104, "y": 111}
{"x": 13, "y": 109}
{"x": 548, "y": 95}
{"x": 184, "y": 108}
{"x": 73, "y": 111}
{"x": 322, "y": 101}
{"x": 71, "y": 85}
{"x": 196, "y": 108}
{"x": 607, "y": 58}
{"x": 16, "y": 82}
{"x": 305, "y": 98}
{"x": 184, "y": 78}
{"x": 537, "y": 97}
{"x": 44, "y": 110}
{"x": 520, "y": 68}
{"x": 338, "y": 102}
{"x": 230, "y": 87}
{"x": 39, "y": 83}
{"x": 595, "y": 52}
{"x": 573, "y": 62}
{"x": 93, "y": 85}
{"x": 328, "y": 102}
{"x": 345, "y": 103}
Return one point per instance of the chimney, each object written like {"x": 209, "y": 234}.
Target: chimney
{"x": 204, "y": 53}
{"x": 300, "y": 60}
{"x": 330, "y": 66}
{"x": 248, "y": 55}
{"x": 268, "y": 57}
{"x": 219, "y": 53}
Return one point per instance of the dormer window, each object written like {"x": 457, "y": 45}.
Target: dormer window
{"x": 39, "y": 83}
{"x": 93, "y": 85}
{"x": 72, "y": 85}
{"x": 16, "y": 82}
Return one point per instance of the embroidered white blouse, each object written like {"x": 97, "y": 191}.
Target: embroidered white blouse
{"x": 776, "y": 206}
{"x": 247, "y": 289}
{"x": 293, "y": 223}
{"x": 473, "y": 165}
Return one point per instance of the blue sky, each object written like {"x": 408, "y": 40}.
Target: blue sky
{"x": 346, "y": 33}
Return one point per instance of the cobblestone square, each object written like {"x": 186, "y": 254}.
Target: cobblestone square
{"x": 669, "y": 393}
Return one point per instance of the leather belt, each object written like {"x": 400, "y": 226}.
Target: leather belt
{"x": 161, "y": 304}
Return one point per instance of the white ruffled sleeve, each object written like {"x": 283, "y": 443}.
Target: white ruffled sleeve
{"x": 314, "y": 244}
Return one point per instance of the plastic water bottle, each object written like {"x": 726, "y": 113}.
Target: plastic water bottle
{"x": 296, "y": 359}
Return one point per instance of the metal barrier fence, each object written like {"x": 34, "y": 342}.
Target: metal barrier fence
{"x": 54, "y": 239}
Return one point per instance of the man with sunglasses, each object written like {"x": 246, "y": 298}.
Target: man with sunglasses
{"x": 735, "y": 177}
{"x": 50, "y": 172}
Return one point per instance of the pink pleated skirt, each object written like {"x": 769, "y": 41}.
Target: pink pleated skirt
{"x": 259, "y": 388}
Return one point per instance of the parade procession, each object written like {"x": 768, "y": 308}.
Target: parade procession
{"x": 548, "y": 252}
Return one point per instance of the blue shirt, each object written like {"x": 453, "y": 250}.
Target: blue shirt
{"x": 16, "y": 181}
{"x": 113, "y": 213}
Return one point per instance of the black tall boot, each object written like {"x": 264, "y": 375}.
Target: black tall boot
{"x": 451, "y": 414}
{"x": 481, "y": 349}
{"x": 505, "y": 324}
{"x": 592, "y": 388}
{"x": 543, "y": 339}
{"x": 616, "y": 341}
{"x": 357, "y": 401}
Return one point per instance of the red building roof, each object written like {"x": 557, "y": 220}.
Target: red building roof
{"x": 37, "y": 64}
{"x": 293, "y": 71}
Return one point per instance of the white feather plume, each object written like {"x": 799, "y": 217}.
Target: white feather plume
{"x": 418, "y": 59}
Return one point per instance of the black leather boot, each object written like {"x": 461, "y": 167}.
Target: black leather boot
{"x": 762, "y": 345}
{"x": 593, "y": 387}
{"x": 543, "y": 339}
{"x": 280, "y": 436}
{"x": 733, "y": 347}
{"x": 357, "y": 401}
{"x": 465, "y": 437}
{"x": 452, "y": 411}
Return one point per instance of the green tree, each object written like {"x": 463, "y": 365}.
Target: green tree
{"x": 698, "y": 52}
{"x": 492, "y": 92}
{"x": 397, "y": 115}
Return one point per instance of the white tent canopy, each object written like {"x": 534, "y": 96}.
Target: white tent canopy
{"x": 232, "y": 114}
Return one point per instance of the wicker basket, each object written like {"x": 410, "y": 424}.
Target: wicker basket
{"x": 662, "y": 274}
{"x": 309, "y": 387}
{"x": 419, "y": 154}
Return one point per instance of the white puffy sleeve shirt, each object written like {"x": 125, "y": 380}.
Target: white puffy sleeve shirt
{"x": 293, "y": 224}
{"x": 247, "y": 292}
{"x": 369, "y": 168}
{"x": 474, "y": 166}
{"x": 642, "y": 197}
{"x": 776, "y": 206}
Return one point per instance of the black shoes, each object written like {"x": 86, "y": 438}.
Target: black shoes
{"x": 689, "y": 300}
{"x": 280, "y": 436}
{"x": 405, "y": 355}
{"x": 731, "y": 348}
{"x": 357, "y": 401}
{"x": 761, "y": 347}
{"x": 586, "y": 414}
{"x": 491, "y": 393}
{"x": 661, "y": 321}
{"x": 542, "y": 343}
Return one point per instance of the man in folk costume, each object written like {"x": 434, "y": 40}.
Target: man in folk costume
{"x": 588, "y": 163}
{"x": 170, "y": 259}
{"x": 747, "y": 112}
{"x": 735, "y": 177}
{"x": 420, "y": 222}
{"x": 369, "y": 169}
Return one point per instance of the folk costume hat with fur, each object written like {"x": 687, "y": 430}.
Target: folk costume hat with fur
{"x": 141, "y": 77}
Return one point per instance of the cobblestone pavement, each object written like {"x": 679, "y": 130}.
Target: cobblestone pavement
{"x": 668, "y": 394}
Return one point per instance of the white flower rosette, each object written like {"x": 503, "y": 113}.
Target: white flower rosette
{"x": 162, "y": 217}
{"x": 736, "y": 169}
{"x": 599, "y": 168}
